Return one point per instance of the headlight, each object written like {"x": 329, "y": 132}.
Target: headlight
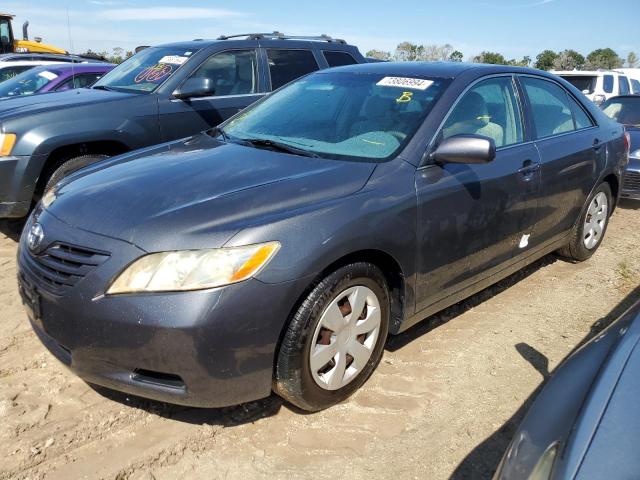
{"x": 193, "y": 269}
{"x": 635, "y": 154}
{"x": 544, "y": 467}
{"x": 7, "y": 141}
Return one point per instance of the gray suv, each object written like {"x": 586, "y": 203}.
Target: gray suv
{"x": 161, "y": 94}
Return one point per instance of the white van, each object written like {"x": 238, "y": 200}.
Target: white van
{"x": 597, "y": 85}
{"x": 634, "y": 78}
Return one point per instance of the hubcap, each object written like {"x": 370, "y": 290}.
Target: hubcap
{"x": 345, "y": 337}
{"x": 595, "y": 221}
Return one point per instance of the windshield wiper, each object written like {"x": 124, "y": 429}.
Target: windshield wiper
{"x": 102, "y": 87}
{"x": 282, "y": 147}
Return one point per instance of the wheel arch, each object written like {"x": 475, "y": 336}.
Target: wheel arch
{"x": 614, "y": 184}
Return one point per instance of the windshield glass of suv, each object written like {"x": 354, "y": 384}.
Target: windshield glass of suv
{"x": 341, "y": 115}
{"x": 584, "y": 83}
{"x": 27, "y": 83}
{"x": 623, "y": 110}
{"x": 145, "y": 71}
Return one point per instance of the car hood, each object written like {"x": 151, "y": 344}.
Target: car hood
{"x": 198, "y": 192}
{"x": 30, "y": 104}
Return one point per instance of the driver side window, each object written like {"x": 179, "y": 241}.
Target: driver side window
{"x": 489, "y": 109}
{"x": 233, "y": 72}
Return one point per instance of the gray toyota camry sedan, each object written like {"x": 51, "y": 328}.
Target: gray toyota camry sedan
{"x": 278, "y": 251}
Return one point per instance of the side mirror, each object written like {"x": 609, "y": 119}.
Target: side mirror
{"x": 465, "y": 149}
{"x": 195, "y": 87}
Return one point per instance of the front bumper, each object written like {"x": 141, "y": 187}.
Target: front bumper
{"x": 207, "y": 348}
{"x": 631, "y": 180}
{"x": 18, "y": 178}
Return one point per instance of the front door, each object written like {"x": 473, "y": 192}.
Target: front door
{"x": 235, "y": 76}
{"x": 473, "y": 218}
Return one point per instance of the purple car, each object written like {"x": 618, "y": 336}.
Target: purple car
{"x": 53, "y": 78}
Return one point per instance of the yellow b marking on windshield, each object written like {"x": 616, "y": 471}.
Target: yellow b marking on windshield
{"x": 405, "y": 97}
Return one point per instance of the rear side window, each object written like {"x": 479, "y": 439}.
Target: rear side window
{"x": 553, "y": 111}
{"x": 624, "y": 89}
{"x": 635, "y": 86}
{"x": 607, "y": 83}
{"x": 338, "y": 59}
{"x": 489, "y": 109}
{"x": 234, "y": 72}
{"x": 287, "y": 65}
{"x": 584, "y": 83}
{"x": 79, "y": 81}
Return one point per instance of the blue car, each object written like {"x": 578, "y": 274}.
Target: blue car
{"x": 277, "y": 251}
{"x": 626, "y": 110}
{"x": 584, "y": 424}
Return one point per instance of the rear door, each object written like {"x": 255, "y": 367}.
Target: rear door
{"x": 236, "y": 76}
{"x": 472, "y": 218}
{"x": 570, "y": 149}
{"x": 288, "y": 64}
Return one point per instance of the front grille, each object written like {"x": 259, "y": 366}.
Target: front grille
{"x": 631, "y": 181}
{"x": 61, "y": 265}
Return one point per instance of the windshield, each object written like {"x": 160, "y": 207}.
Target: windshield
{"x": 27, "y": 83}
{"x": 145, "y": 71}
{"x": 623, "y": 110}
{"x": 584, "y": 83}
{"x": 340, "y": 114}
{"x": 9, "y": 72}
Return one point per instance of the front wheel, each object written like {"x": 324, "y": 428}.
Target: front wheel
{"x": 336, "y": 338}
{"x": 588, "y": 233}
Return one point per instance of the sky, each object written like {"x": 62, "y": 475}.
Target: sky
{"x": 514, "y": 28}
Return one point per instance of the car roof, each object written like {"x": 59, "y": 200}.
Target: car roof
{"x": 33, "y": 63}
{"x": 77, "y": 67}
{"x": 584, "y": 72}
{"x": 433, "y": 69}
{"x": 263, "y": 38}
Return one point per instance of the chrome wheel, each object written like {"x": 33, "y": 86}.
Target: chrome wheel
{"x": 345, "y": 337}
{"x": 595, "y": 220}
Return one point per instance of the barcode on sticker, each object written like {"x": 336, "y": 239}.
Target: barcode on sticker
{"x": 405, "y": 82}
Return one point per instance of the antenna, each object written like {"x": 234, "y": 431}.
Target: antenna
{"x": 71, "y": 49}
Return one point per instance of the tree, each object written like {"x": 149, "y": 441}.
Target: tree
{"x": 456, "y": 56}
{"x": 632, "y": 60}
{"x": 408, "y": 52}
{"x": 435, "y": 53}
{"x": 491, "y": 58}
{"x": 379, "y": 55}
{"x": 545, "y": 59}
{"x": 568, "y": 60}
{"x": 604, "y": 58}
{"x": 525, "y": 62}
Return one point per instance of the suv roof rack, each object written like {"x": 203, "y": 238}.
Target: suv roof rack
{"x": 281, "y": 36}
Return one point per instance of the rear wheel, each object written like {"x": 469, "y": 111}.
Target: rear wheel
{"x": 588, "y": 233}
{"x": 336, "y": 338}
{"x": 71, "y": 165}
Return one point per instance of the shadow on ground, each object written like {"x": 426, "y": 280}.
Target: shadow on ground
{"x": 483, "y": 460}
{"x": 435, "y": 321}
{"x": 12, "y": 228}
{"x": 629, "y": 204}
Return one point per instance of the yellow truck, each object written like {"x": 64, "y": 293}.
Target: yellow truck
{"x": 9, "y": 44}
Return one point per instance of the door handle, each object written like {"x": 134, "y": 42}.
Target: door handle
{"x": 597, "y": 144}
{"x": 528, "y": 168}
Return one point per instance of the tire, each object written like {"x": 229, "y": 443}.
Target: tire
{"x": 591, "y": 227}
{"x": 69, "y": 166}
{"x": 314, "y": 389}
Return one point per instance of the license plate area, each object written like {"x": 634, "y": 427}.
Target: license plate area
{"x": 31, "y": 300}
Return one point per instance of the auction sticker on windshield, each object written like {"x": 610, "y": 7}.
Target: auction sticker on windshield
{"x": 174, "y": 59}
{"x": 405, "y": 82}
{"x": 48, "y": 75}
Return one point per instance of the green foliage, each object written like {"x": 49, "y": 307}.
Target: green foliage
{"x": 456, "y": 56}
{"x": 378, "y": 54}
{"x": 568, "y": 60}
{"x": 632, "y": 60}
{"x": 545, "y": 59}
{"x": 491, "y": 58}
{"x": 117, "y": 55}
{"x": 604, "y": 58}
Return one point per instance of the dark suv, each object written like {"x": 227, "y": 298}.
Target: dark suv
{"x": 161, "y": 94}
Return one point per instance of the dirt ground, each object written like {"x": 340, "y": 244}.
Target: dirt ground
{"x": 443, "y": 403}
